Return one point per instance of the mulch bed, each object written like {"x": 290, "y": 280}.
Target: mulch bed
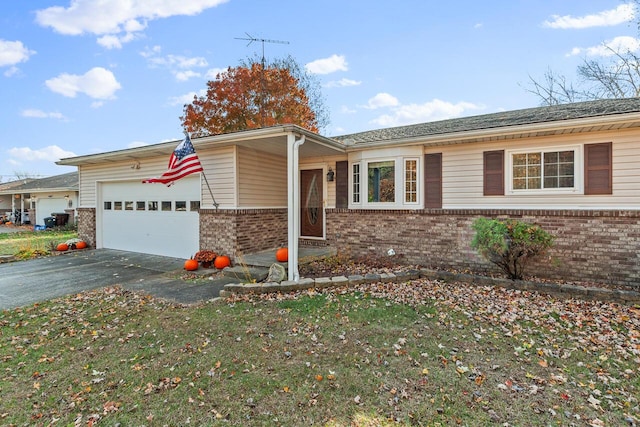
{"x": 342, "y": 266}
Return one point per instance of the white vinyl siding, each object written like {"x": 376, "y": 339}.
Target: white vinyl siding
{"x": 262, "y": 179}
{"x": 462, "y": 174}
{"x": 218, "y": 165}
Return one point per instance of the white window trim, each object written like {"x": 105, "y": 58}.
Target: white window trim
{"x": 399, "y": 163}
{"x": 352, "y": 184}
{"x": 404, "y": 182}
{"x": 578, "y": 171}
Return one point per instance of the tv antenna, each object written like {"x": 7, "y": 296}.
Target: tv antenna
{"x": 264, "y": 90}
{"x": 263, "y": 41}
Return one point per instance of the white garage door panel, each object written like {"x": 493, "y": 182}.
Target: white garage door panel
{"x": 45, "y": 207}
{"x": 170, "y": 233}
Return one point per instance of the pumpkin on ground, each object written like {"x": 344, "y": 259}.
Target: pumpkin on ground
{"x": 191, "y": 265}
{"x": 282, "y": 255}
{"x": 81, "y": 245}
{"x": 62, "y": 247}
{"x": 221, "y": 262}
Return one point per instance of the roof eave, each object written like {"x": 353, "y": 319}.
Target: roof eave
{"x": 204, "y": 142}
{"x": 460, "y": 137}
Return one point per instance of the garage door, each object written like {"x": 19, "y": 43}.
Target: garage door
{"x": 45, "y": 207}
{"x": 151, "y": 218}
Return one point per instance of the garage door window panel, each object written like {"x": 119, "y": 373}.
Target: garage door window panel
{"x": 107, "y": 206}
{"x": 166, "y": 206}
{"x": 153, "y": 206}
{"x": 117, "y": 206}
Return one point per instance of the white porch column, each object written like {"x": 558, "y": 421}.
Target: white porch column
{"x": 293, "y": 204}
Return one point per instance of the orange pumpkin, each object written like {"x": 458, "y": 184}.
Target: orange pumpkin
{"x": 282, "y": 255}
{"x": 62, "y": 247}
{"x": 191, "y": 265}
{"x": 221, "y": 262}
{"x": 81, "y": 245}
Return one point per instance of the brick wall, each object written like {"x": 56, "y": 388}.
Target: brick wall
{"x": 600, "y": 246}
{"x": 242, "y": 231}
{"x": 87, "y": 226}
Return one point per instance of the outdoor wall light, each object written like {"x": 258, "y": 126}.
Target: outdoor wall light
{"x": 330, "y": 175}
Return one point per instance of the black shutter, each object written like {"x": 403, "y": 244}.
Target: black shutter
{"x": 342, "y": 184}
{"x": 494, "y": 173}
{"x": 598, "y": 169}
{"x": 433, "y": 181}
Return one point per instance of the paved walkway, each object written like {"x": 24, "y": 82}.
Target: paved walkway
{"x": 27, "y": 282}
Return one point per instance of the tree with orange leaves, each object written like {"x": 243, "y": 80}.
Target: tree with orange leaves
{"x": 248, "y": 97}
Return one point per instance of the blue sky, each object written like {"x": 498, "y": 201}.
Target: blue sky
{"x": 83, "y": 76}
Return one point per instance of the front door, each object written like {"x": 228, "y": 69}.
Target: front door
{"x": 311, "y": 203}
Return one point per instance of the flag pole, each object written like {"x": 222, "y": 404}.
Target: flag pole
{"x": 215, "y": 204}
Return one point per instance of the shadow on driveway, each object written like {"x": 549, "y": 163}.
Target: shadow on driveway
{"x": 27, "y": 282}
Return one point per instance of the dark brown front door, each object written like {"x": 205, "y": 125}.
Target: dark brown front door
{"x": 311, "y": 203}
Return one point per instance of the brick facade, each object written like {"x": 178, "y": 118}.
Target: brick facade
{"x": 87, "y": 226}
{"x": 599, "y": 246}
{"x": 242, "y": 231}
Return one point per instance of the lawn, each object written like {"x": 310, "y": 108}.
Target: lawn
{"x": 418, "y": 353}
{"x": 25, "y": 244}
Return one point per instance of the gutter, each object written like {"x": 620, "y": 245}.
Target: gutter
{"x": 505, "y": 131}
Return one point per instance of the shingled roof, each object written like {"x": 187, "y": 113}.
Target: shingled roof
{"x": 528, "y": 116}
{"x": 67, "y": 181}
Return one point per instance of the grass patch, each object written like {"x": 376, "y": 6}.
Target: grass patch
{"x": 337, "y": 358}
{"x": 27, "y": 244}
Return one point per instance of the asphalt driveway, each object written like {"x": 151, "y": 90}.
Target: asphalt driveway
{"x": 27, "y": 282}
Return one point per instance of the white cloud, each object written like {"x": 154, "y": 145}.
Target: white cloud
{"x": 187, "y": 98}
{"x": 51, "y": 153}
{"x": 115, "y": 17}
{"x": 183, "y": 76}
{"x": 111, "y": 41}
{"x": 620, "y": 44}
{"x": 606, "y": 18}
{"x": 346, "y": 110}
{"x": 11, "y": 71}
{"x": 382, "y": 100}
{"x": 212, "y": 73}
{"x": 178, "y": 61}
{"x": 180, "y": 66}
{"x": 328, "y": 65}
{"x": 98, "y": 83}
{"x": 427, "y": 112}
{"x": 343, "y": 83}
{"x": 39, "y": 114}
{"x": 13, "y": 52}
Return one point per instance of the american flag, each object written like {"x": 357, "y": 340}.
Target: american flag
{"x": 184, "y": 161}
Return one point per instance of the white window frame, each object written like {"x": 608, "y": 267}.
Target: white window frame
{"x": 399, "y": 164}
{"x": 404, "y": 180}
{"x": 352, "y": 187}
{"x": 578, "y": 171}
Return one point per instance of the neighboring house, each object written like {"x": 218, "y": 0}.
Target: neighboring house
{"x": 45, "y": 196}
{"x": 6, "y": 200}
{"x": 416, "y": 189}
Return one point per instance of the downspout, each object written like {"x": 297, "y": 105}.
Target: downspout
{"x": 293, "y": 204}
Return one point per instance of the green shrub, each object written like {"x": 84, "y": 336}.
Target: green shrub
{"x": 509, "y": 244}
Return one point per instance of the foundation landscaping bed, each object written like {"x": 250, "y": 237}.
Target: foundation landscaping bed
{"x": 338, "y": 271}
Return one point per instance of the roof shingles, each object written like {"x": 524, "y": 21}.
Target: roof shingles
{"x": 579, "y": 110}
